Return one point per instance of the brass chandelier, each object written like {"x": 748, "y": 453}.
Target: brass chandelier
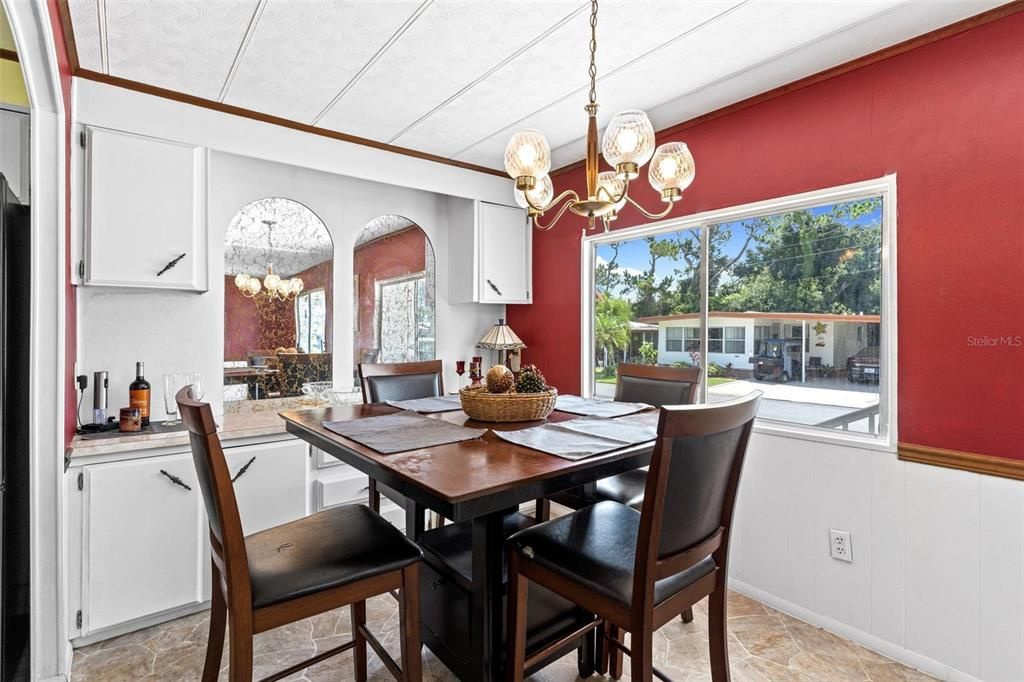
{"x": 627, "y": 145}
{"x": 273, "y": 287}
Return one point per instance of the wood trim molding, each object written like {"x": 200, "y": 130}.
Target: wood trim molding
{"x": 949, "y": 31}
{"x": 965, "y": 461}
{"x": 78, "y": 72}
{"x": 9, "y": 55}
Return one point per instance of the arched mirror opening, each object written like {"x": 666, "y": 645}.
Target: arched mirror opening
{"x": 393, "y": 293}
{"x": 278, "y": 300}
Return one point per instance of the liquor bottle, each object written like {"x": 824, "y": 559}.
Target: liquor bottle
{"x": 138, "y": 393}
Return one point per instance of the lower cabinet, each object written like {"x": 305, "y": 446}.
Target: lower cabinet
{"x": 139, "y": 541}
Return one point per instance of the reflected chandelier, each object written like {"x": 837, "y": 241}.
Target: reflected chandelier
{"x": 274, "y": 287}
{"x": 627, "y": 145}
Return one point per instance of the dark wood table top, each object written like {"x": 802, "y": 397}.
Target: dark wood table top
{"x": 466, "y": 479}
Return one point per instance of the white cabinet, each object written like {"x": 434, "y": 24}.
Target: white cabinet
{"x": 270, "y": 483}
{"x": 145, "y": 212}
{"x": 490, "y": 257}
{"x": 14, "y": 152}
{"x": 141, "y": 541}
{"x": 138, "y": 546}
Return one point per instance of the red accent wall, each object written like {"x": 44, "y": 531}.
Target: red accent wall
{"x": 261, "y": 324}
{"x": 948, "y": 118}
{"x": 71, "y": 312}
{"x": 401, "y": 253}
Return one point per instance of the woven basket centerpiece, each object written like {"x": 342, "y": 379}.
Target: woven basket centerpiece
{"x": 484, "y": 406}
{"x": 506, "y": 398}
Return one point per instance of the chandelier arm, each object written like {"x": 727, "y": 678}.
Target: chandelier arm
{"x": 608, "y": 196}
{"x": 558, "y": 216}
{"x": 569, "y": 193}
{"x": 648, "y": 214}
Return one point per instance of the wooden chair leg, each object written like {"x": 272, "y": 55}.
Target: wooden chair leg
{"x": 515, "y": 648}
{"x": 543, "y": 511}
{"x": 409, "y": 622}
{"x": 374, "y": 496}
{"x": 215, "y": 639}
{"x": 358, "y": 611}
{"x": 241, "y": 645}
{"x": 601, "y": 662}
{"x": 687, "y": 614}
{"x": 615, "y": 653}
{"x": 641, "y": 654}
{"x": 718, "y": 635}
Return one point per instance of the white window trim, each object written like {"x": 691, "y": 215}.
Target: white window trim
{"x": 885, "y": 187}
{"x": 308, "y": 294}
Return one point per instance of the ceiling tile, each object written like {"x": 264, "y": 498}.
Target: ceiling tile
{"x": 554, "y": 69}
{"x": 452, "y": 44}
{"x": 86, "y": 25}
{"x": 183, "y": 46}
{"x": 756, "y": 33}
{"x": 303, "y": 53}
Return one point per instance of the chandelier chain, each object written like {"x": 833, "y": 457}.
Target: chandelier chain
{"x": 593, "y": 52}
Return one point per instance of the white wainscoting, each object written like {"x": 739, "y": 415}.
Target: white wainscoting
{"x": 937, "y": 579}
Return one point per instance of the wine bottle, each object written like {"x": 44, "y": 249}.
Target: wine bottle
{"x": 138, "y": 393}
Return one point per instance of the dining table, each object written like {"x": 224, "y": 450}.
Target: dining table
{"x": 480, "y": 481}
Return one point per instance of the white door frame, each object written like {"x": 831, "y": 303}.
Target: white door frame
{"x": 33, "y": 36}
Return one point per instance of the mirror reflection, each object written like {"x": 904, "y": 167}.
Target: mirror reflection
{"x": 393, "y": 290}
{"x": 278, "y": 297}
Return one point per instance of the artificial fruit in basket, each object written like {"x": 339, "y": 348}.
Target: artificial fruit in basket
{"x": 500, "y": 379}
{"x": 531, "y": 380}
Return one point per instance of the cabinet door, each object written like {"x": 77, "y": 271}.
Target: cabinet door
{"x": 141, "y": 539}
{"x": 504, "y": 252}
{"x": 271, "y": 483}
{"x": 145, "y": 207}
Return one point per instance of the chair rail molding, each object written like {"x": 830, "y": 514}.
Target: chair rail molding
{"x": 973, "y": 462}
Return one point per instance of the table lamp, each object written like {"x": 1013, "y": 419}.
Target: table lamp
{"x": 501, "y": 338}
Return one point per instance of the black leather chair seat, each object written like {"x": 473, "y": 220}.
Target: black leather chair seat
{"x": 332, "y": 548}
{"x": 596, "y": 547}
{"x": 626, "y": 488}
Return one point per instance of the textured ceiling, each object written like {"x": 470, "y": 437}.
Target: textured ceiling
{"x": 456, "y": 77}
{"x": 296, "y": 241}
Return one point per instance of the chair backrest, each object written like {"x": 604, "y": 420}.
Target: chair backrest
{"x": 698, "y": 457}
{"x": 226, "y": 539}
{"x": 657, "y": 385}
{"x": 401, "y": 380}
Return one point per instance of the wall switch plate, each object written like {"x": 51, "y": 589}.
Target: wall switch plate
{"x": 840, "y": 545}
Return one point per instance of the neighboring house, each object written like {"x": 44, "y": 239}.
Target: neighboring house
{"x": 733, "y": 337}
{"x": 639, "y": 334}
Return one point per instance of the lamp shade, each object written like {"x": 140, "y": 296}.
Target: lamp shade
{"x": 629, "y": 138}
{"x": 528, "y": 155}
{"x": 540, "y": 195}
{"x": 672, "y": 167}
{"x": 501, "y": 337}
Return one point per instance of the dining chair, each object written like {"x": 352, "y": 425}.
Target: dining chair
{"x": 340, "y": 556}
{"x": 637, "y": 570}
{"x": 381, "y": 382}
{"x": 649, "y": 384}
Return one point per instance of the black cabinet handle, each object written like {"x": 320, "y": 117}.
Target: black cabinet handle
{"x": 492, "y": 286}
{"x": 243, "y": 470}
{"x": 170, "y": 264}
{"x": 175, "y": 480}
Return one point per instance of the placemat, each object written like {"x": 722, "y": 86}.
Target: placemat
{"x": 580, "y": 438}
{"x": 597, "y": 408}
{"x": 448, "y": 403}
{"x": 402, "y": 431}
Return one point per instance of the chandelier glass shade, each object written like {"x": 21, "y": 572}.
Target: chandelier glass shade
{"x": 628, "y": 144}
{"x": 273, "y": 287}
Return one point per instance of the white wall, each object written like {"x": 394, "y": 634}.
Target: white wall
{"x": 180, "y": 331}
{"x": 937, "y": 578}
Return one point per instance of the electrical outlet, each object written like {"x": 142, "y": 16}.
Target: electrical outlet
{"x": 840, "y": 545}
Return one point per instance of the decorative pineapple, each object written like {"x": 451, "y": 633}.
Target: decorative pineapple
{"x": 531, "y": 380}
{"x": 500, "y": 379}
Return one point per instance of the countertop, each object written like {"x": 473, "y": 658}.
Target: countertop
{"x": 234, "y": 426}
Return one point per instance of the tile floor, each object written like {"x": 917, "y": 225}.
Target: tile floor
{"x": 764, "y": 644}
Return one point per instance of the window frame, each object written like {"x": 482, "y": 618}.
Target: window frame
{"x": 307, "y": 295}
{"x": 680, "y": 339}
{"x": 885, "y": 187}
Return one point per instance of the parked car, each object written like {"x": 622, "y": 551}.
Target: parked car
{"x": 863, "y": 367}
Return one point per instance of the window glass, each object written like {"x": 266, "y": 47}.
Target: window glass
{"x": 311, "y": 321}
{"x": 673, "y": 338}
{"x": 692, "y": 339}
{"x": 735, "y": 340}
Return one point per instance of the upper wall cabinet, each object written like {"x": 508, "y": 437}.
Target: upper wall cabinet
{"x": 490, "y": 257}
{"x": 145, "y": 212}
